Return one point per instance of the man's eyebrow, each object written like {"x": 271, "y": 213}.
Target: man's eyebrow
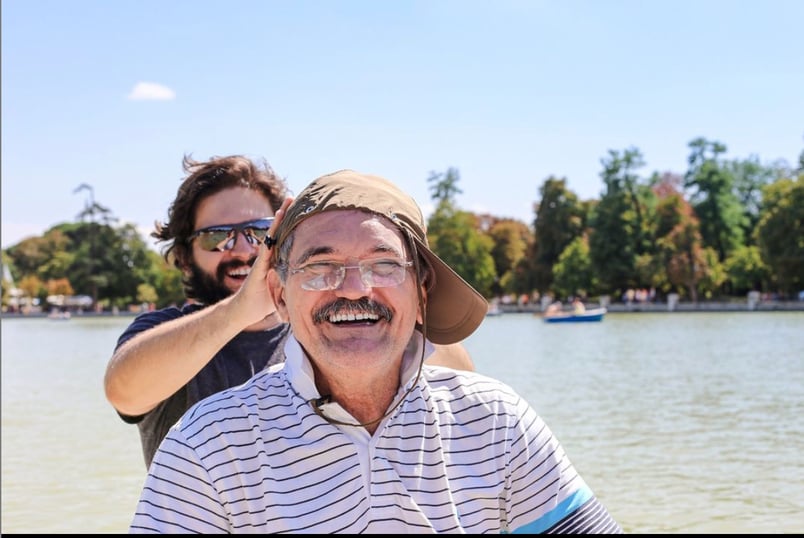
{"x": 314, "y": 251}
{"x": 382, "y": 248}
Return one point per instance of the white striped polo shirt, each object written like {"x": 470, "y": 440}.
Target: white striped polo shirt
{"x": 461, "y": 453}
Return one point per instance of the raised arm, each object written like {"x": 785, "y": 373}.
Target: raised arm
{"x": 155, "y": 363}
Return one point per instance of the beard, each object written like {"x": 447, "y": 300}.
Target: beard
{"x": 209, "y": 289}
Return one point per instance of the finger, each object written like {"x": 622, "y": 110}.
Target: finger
{"x": 280, "y": 213}
{"x": 263, "y": 255}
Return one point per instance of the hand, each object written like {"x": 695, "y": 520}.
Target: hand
{"x": 252, "y": 301}
{"x": 270, "y": 240}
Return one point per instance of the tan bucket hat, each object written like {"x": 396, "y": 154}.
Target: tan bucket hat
{"x": 454, "y": 308}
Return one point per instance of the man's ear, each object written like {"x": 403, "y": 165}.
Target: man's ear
{"x": 277, "y": 291}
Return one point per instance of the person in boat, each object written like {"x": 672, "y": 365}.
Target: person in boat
{"x": 578, "y": 306}
{"x": 354, "y": 432}
{"x": 553, "y": 308}
{"x": 167, "y": 360}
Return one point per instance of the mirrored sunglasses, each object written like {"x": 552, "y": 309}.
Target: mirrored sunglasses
{"x": 224, "y": 236}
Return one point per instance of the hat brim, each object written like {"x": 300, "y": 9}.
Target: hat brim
{"x": 454, "y": 308}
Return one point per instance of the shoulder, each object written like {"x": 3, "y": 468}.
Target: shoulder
{"x": 146, "y": 320}
{"x": 452, "y": 355}
{"x": 459, "y": 389}
{"x": 234, "y": 404}
{"x": 451, "y": 379}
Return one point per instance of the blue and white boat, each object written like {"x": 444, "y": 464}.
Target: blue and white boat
{"x": 591, "y": 314}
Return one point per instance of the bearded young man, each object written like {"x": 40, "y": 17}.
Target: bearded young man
{"x": 169, "y": 359}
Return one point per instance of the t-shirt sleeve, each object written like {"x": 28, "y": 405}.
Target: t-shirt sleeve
{"x": 147, "y": 320}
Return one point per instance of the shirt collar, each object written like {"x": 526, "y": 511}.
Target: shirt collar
{"x": 300, "y": 372}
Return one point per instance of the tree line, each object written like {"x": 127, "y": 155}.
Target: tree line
{"x": 721, "y": 229}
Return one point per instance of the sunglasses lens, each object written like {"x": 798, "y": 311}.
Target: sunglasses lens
{"x": 257, "y": 233}
{"x": 214, "y": 239}
{"x": 222, "y": 238}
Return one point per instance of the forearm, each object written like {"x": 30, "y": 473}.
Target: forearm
{"x": 155, "y": 363}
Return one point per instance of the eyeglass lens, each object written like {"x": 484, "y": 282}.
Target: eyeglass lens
{"x": 380, "y": 273}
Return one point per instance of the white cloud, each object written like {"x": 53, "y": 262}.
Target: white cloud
{"x": 151, "y": 91}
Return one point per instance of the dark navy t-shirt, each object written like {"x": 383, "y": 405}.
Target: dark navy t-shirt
{"x": 243, "y": 356}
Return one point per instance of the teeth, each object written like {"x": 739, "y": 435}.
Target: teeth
{"x": 353, "y": 317}
{"x": 240, "y": 272}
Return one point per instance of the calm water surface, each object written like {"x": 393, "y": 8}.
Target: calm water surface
{"x": 681, "y": 423}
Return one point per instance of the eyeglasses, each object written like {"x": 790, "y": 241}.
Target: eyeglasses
{"x": 376, "y": 273}
{"x": 224, "y": 236}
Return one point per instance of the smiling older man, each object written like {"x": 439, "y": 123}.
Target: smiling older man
{"x": 354, "y": 432}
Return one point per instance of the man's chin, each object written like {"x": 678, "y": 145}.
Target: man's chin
{"x": 208, "y": 291}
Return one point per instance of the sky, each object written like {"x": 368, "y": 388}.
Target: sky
{"x": 112, "y": 95}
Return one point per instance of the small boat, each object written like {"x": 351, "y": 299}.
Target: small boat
{"x": 494, "y": 310}
{"x": 591, "y": 314}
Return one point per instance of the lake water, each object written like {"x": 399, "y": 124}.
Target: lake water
{"x": 681, "y": 423}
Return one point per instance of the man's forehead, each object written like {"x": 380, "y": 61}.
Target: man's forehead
{"x": 344, "y": 227}
{"x": 346, "y": 221}
{"x": 231, "y": 206}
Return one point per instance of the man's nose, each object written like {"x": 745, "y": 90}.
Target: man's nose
{"x": 353, "y": 281}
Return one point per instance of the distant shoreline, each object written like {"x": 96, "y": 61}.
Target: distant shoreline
{"x": 73, "y": 315}
{"x": 680, "y": 307}
{"x": 613, "y": 308}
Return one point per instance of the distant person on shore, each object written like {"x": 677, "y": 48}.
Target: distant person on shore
{"x": 169, "y": 359}
{"x": 354, "y": 433}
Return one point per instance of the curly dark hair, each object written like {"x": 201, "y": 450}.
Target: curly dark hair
{"x": 205, "y": 178}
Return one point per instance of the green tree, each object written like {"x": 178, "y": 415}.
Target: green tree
{"x": 620, "y": 223}
{"x": 573, "y": 271}
{"x": 96, "y": 214}
{"x": 684, "y": 256}
{"x": 746, "y": 270}
{"x": 674, "y": 223}
{"x": 444, "y": 186}
{"x": 131, "y": 266}
{"x": 713, "y": 198}
{"x": 750, "y": 176}
{"x": 511, "y": 240}
{"x": 39, "y": 255}
{"x": 559, "y": 220}
{"x": 122, "y": 261}
{"x": 780, "y": 232}
{"x": 146, "y": 293}
{"x": 455, "y": 235}
{"x": 678, "y": 262}
{"x": 712, "y": 274}
{"x": 166, "y": 280}
{"x": 6, "y": 283}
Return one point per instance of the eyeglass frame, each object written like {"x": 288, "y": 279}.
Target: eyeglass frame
{"x": 245, "y": 228}
{"x": 364, "y": 266}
